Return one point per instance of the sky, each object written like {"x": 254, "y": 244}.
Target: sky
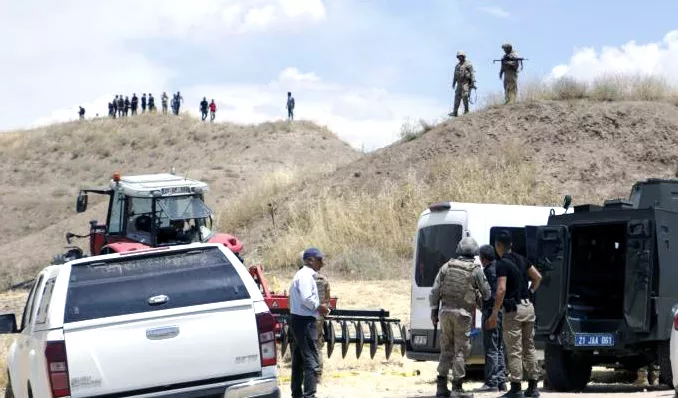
{"x": 362, "y": 68}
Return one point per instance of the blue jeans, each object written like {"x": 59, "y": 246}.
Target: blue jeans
{"x": 305, "y": 356}
{"x": 495, "y": 364}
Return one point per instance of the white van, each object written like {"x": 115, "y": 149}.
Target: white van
{"x": 439, "y": 229}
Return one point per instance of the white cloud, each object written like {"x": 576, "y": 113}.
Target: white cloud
{"x": 365, "y": 117}
{"x": 59, "y": 53}
{"x": 659, "y": 58}
{"x": 496, "y": 11}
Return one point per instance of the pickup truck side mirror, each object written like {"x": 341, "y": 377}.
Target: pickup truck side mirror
{"x": 8, "y": 324}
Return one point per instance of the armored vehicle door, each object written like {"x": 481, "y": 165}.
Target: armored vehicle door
{"x": 638, "y": 278}
{"x": 548, "y": 248}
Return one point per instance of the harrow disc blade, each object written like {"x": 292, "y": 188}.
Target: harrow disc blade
{"x": 373, "y": 339}
{"x": 330, "y": 337}
{"x": 388, "y": 344}
{"x": 359, "y": 339}
{"x": 403, "y": 342}
{"x": 345, "y": 339}
{"x": 284, "y": 338}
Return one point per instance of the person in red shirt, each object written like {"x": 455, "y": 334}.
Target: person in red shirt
{"x": 213, "y": 110}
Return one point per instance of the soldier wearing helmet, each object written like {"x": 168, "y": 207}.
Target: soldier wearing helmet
{"x": 509, "y": 72}
{"x": 452, "y": 300}
{"x": 464, "y": 81}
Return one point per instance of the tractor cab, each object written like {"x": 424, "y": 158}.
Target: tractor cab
{"x": 152, "y": 210}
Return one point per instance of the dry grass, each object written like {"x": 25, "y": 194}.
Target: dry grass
{"x": 370, "y": 235}
{"x": 609, "y": 87}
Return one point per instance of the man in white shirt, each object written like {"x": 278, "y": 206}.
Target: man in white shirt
{"x": 305, "y": 308}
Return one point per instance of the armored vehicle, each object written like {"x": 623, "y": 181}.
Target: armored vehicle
{"x": 609, "y": 282}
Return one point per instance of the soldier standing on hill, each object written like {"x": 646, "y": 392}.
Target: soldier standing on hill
{"x": 455, "y": 287}
{"x": 509, "y": 72}
{"x": 464, "y": 81}
{"x": 213, "y": 110}
{"x": 135, "y": 103}
{"x": 81, "y": 113}
{"x": 290, "y": 106}
{"x": 143, "y": 103}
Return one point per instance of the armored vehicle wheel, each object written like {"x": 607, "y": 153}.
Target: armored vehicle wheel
{"x": 664, "y": 361}
{"x": 565, "y": 370}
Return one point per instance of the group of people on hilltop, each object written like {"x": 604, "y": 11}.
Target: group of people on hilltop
{"x": 122, "y": 105}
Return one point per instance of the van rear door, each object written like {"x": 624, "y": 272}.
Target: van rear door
{"x": 142, "y": 324}
{"x": 638, "y": 278}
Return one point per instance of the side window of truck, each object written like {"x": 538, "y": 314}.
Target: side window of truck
{"x": 41, "y": 316}
{"x": 27, "y": 316}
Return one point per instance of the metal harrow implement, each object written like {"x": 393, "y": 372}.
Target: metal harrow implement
{"x": 363, "y": 330}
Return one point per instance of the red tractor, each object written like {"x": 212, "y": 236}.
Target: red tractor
{"x": 154, "y": 210}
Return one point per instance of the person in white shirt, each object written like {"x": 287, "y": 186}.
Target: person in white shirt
{"x": 305, "y": 308}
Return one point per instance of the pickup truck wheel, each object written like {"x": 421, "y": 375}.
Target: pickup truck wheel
{"x": 565, "y": 370}
{"x": 664, "y": 361}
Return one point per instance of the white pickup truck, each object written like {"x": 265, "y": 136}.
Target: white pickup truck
{"x": 182, "y": 321}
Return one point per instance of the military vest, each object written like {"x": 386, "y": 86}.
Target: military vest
{"x": 463, "y": 72}
{"x": 457, "y": 288}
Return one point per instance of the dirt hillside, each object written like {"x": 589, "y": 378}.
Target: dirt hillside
{"x": 533, "y": 152}
{"x": 591, "y": 150}
{"x": 41, "y": 170}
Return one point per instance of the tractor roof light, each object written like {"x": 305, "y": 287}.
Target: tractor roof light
{"x": 440, "y": 206}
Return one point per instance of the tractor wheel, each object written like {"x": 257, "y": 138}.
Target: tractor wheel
{"x": 565, "y": 370}
{"x": 664, "y": 361}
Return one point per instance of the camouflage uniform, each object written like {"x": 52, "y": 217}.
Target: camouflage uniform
{"x": 509, "y": 71}
{"x": 464, "y": 80}
{"x": 455, "y": 287}
{"x": 324, "y": 296}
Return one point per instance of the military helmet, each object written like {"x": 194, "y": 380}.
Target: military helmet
{"x": 506, "y": 45}
{"x": 461, "y": 54}
{"x": 467, "y": 247}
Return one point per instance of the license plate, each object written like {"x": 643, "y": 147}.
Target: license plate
{"x": 594, "y": 339}
{"x": 420, "y": 340}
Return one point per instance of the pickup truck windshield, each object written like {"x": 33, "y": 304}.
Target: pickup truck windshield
{"x": 155, "y": 282}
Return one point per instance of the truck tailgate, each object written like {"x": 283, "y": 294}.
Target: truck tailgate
{"x": 162, "y": 351}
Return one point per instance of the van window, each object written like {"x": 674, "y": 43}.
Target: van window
{"x": 518, "y": 235}
{"x": 436, "y": 244}
{"x": 126, "y": 285}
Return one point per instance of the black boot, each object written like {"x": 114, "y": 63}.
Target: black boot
{"x": 532, "y": 389}
{"x": 502, "y": 387}
{"x": 441, "y": 389}
{"x": 514, "y": 392}
{"x": 458, "y": 390}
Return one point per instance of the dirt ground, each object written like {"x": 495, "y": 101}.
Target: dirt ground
{"x": 376, "y": 378}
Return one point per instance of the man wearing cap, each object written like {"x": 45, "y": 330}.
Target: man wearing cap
{"x": 509, "y": 72}
{"x": 464, "y": 81}
{"x": 455, "y": 287}
{"x": 305, "y": 309}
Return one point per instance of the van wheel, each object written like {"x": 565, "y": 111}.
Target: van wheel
{"x": 565, "y": 370}
{"x": 664, "y": 362}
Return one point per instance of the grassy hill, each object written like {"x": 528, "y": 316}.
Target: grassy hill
{"x": 590, "y": 141}
{"x": 41, "y": 170}
{"x": 282, "y": 187}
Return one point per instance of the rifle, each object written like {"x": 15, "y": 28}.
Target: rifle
{"x": 435, "y": 333}
{"x": 512, "y": 59}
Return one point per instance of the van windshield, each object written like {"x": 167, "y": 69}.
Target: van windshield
{"x": 436, "y": 244}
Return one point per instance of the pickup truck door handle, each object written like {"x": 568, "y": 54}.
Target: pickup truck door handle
{"x": 161, "y": 333}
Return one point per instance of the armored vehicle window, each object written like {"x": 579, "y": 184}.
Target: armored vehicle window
{"x": 597, "y": 271}
{"x": 133, "y": 285}
{"x": 436, "y": 244}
